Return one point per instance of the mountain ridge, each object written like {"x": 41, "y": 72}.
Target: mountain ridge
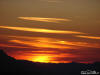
{"x": 9, "y": 64}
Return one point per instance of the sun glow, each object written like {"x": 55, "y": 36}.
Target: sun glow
{"x": 44, "y": 59}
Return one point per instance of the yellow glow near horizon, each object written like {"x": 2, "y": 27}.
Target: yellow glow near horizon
{"x": 44, "y": 59}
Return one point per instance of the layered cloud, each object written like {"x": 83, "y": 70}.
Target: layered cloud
{"x": 44, "y": 42}
{"x": 41, "y": 30}
{"x": 41, "y": 44}
{"x": 42, "y": 19}
{"x": 56, "y": 50}
{"x": 31, "y": 33}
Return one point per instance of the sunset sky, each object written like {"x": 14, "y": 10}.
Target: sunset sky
{"x": 51, "y": 31}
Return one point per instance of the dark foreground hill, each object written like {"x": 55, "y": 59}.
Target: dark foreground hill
{"x": 9, "y": 64}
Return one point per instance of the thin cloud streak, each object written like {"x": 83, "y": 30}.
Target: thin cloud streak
{"x": 41, "y": 30}
{"x": 52, "y": 1}
{"x": 42, "y": 19}
{"x": 82, "y": 44}
{"x": 5, "y": 45}
{"x": 88, "y": 37}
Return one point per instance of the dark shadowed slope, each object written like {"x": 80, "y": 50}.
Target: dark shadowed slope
{"x": 6, "y": 62}
{"x": 9, "y": 64}
{"x": 5, "y": 58}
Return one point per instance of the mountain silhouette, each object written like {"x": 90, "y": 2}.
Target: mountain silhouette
{"x": 5, "y": 58}
{"x": 9, "y": 64}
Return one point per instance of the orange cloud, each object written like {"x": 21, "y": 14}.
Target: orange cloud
{"x": 89, "y": 37}
{"x": 53, "y": 20}
{"x": 52, "y": 50}
{"x": 40, "y": 44}
{"x": 49, "y": 57}
{"x": 44, "y": 56}
{"x": 53, "y": 43}
{"x": 4, "y": 45}
{"x": 43, "y": 52}
{"x": 41, "y": 30}
{"x": 83, "y": 44}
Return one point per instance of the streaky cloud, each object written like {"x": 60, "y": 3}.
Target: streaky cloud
{"x": 41, "y": 30}
{"x": 40, "y": 45}
{"x": 42, "y": 19}
{"x": 52, "y": 1}
{"x": 52, "y": 43}
{"x": 82, "y": 44}
{"x": 12, "y": 46}
{"x": 88, "y": 37}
